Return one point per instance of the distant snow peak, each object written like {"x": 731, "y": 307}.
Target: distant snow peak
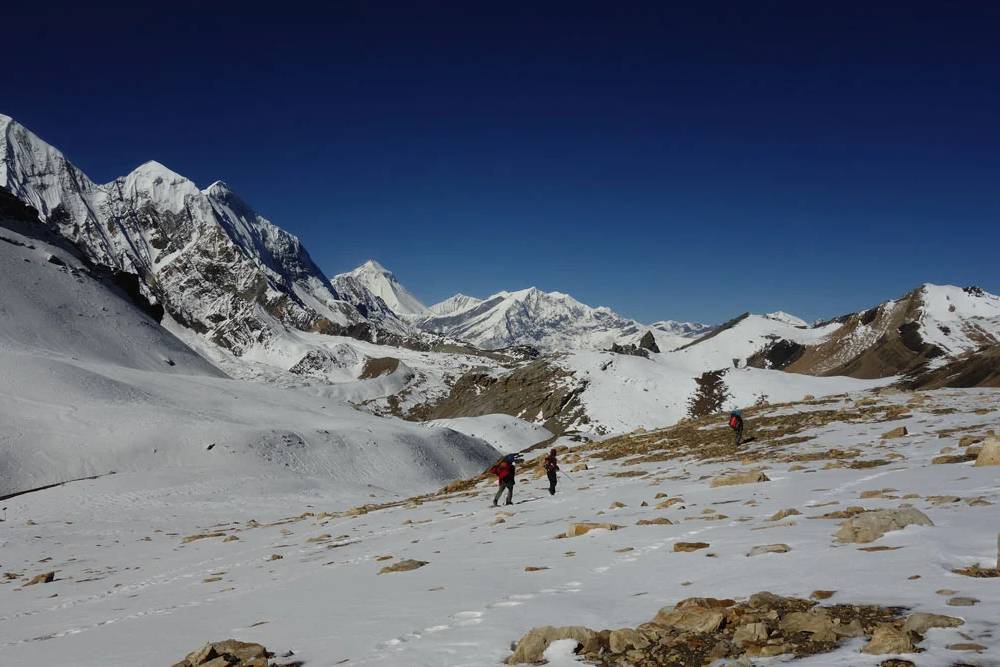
{"x": 548, "y": 320}
{"x": 454, "y": 304}
{"x": 382, "y": 283}
{"x": 787, "y": 318}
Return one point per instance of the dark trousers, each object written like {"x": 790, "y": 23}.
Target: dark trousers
{"x": 552, "y": 481}
{"x": 739, "y": 433}
{"x": 505, "y": 484}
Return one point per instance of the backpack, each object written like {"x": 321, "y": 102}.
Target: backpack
{"x": 734, "y": 421}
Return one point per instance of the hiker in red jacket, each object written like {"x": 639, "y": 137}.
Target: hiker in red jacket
{"x": 551, "y": 467}
{"x": 505, "y": 479}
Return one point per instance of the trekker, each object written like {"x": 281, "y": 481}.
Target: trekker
{"x": 551, "y": 467}
{"x": 505, "y": 478}
{"x": 736, "y": 423}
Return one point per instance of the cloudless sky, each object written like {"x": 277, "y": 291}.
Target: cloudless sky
{"x": 671, "y": 161}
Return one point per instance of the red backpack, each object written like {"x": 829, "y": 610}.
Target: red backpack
{"x": 733, "y": 421}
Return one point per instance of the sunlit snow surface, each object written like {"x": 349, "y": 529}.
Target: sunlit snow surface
{"x": 128, "y": 592}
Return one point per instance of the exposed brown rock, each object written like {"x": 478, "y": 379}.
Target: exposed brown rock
{"x": 870, "y": 526}
{"x": 403, "y": 566}
{"x": 44, "y": 578}
{"x": 690, "y": 546}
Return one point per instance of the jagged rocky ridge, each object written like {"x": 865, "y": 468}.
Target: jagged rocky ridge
{"x": 214, "y": 264}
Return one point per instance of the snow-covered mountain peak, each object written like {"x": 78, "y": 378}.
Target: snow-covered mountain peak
{"x": 454, "y": 304}
{"x": 787, "y": 318}
{"x": 382, "y": 283}
{"x": 372, "y": 266}
{"x": 218, "y": 189}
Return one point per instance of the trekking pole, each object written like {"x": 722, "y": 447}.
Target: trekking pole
{"x": 566, "y": 474}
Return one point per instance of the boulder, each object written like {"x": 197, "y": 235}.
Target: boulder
{"x": 228, "y": 653}
{"x": 403, "y": 566}
{"x": 745, "y": 477}
{"x": 816, "y": 622}
{"x": 43, "y": 578}
{"x": 989, "y": 453}
{"x": 626, "y": 639}
{"x": 921, "y": 623}
{"x": 769, "y": 549}
{"x": 531, "y": 647}
{"x": 690, "y": 546}
{"x": 751, "y": 633}
{"x": 658, "y": 521}
{"x": 962, "y": 602}
{"x": 870, "y": 526}
{"x": 895, "y": 433}
{"x": 699, "y": 620}
{"x": 887, "y": 638}
{"x": 584, "y": 527}
{"x": 782, "y": 514}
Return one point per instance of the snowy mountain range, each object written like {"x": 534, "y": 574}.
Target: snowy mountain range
{"x": 215, "y": 265}
{"x": 548, "y": 320}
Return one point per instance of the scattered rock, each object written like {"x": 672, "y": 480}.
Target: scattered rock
{"x": 921, "y": 622}
{"x": 690, "y": 546}
{"x": 989, "y": 454}
{"x": 201, "y": 536}
{"x": 533, "y": 568}
{"x": 403, "y": 566}
{"x": 898, "y": 432}
{"x": 870, "y": 526}
{"x": 966, "y": 646}
{"x": 769, "y": 549}
{"x": 782, "y": 514}
{"x": 531, "y": 647}
{"x": 44, "y": 578}
{"x": 745, "y": 477}
{"x": 889, "y": 639}
{"x": 658, "y": 521}
{"x": 228, "y": 653}
{"x": 962, "y": 602}
{"x": 821, "y": 595}
{"x": 584, "y": 527}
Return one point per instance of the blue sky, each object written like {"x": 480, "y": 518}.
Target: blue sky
{"x": 685, "y": 162}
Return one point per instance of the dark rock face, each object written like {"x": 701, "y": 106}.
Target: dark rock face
{"x": 648, "y": 342}
{"x": 630, "y": 349}
{"x": 778, "y": 355}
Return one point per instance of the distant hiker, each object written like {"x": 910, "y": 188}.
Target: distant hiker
{"x": 736, "y": 423}
{"x": 505, "y": 471}
{"x": 551, "y": 467}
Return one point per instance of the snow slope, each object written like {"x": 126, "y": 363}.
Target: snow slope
{"x": 131, "y": 592}
{"x": 90, "y": 384}
{"x": 623, "y": 393}
{"x": 503, "y": 432}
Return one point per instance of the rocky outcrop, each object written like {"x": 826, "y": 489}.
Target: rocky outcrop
{"x": 871, "y": 525}
{"x": 232, "y": 653}
{"x": 701, "y": 631}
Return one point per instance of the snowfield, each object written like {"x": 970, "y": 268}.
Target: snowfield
{"x": 93, "y": 385}
{"x": 135, "y": 585}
